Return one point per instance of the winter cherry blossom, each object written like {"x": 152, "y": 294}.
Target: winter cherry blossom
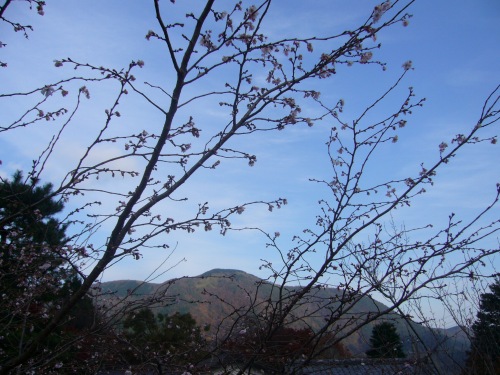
{"x": 407, "y": 65}
{"x": 265, "y": 85}
{"x": 365, "y": 57}
{"x": 379, "y": 10}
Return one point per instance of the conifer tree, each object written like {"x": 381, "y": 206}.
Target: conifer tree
{"x": 167, "y": 343}
{"x": 484, "y": 356}
{"x": 385, "y": 342}
{"x": 35, "y": 275}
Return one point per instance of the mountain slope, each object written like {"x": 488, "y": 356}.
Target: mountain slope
{"x": 213, "y": 296}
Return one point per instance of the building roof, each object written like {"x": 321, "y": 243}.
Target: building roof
{"x": 367, "y": 366}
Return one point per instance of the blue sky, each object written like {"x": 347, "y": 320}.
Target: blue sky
{"x": 453, "y": 45}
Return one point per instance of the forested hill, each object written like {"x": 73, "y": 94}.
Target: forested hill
{"x": 214, "y": 295}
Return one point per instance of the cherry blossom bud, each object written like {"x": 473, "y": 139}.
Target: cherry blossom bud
{"x": 407, "y": 65}
{"x": 252, "y": 13}
{"x": 85, "y": 91}
{"x": 47, "y": 91}
{"x": 365, "y": 57}
{"x": 442, "y": 146}
{"x": 379, "y": 10}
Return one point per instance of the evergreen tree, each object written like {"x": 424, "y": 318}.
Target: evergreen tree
{"x": 34, "y": 275}
{"x": 28, "y": 209}
{"x": 484, "y": 356}
{"x": 165, "y": 342}
{"x": 31, "y": 239}
{"x": 385, "y": 342}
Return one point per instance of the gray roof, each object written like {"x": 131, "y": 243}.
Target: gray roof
{"x": 367, "y": 366}
{"x": 353, "y": 366}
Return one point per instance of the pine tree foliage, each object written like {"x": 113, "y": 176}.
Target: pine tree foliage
{"x": 165, "y": 343}
{"x": 484, "y": 356}
{"x": 35, "y": 277}
{"x": 385, "y": 342}
{"x": 26, "y": 207}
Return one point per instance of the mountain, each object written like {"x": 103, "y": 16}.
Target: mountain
{"x": 213, "y": 296}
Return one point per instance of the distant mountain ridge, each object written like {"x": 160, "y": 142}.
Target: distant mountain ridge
{"x": 215, "y": 294}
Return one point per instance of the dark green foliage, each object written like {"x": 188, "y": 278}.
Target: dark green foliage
{"x": 278, "y": 348}
{"x": 35, "y": 277}
{"x": 29, "y": 209}
{"x": 174, "y": 331}
{"x": 31, "y": 238}
{"x": 484, "y": 356}
{"x": 165, "y": 342}
{"x": 385, "y": 342}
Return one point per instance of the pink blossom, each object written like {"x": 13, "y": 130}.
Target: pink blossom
{"x": 365, "y": 57}
{"x": 379, "y": 10}
{"x": 252, "y": 13}
{"x": 47, "y": 91}
{"x": 407, "y": 65}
